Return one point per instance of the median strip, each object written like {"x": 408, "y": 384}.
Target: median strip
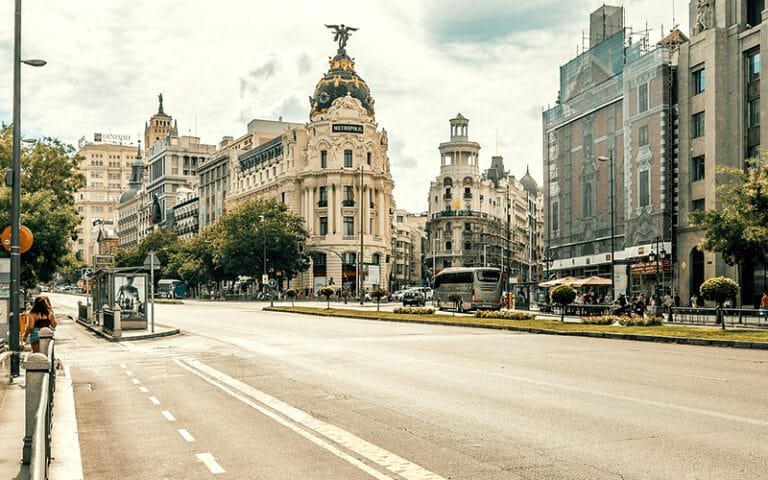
{"x": 710, "y": 336}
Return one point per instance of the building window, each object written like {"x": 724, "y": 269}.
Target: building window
{"x": 449, "y": 245}
{"x": 555, "y": 215}
{"x": 467, "y": 227}
{"x": 587, "y": 201}
{"x": 349, "y": 226}
{"x": 697, "y": 205}
{"x": 368, "y": 158}
{"x": 753, "y": 113}
{"x": 699, "y": 81}
{"x": 323, "y": 158}
{"x": 467, "y": 246}
{"x": 642, "y": 98}
{"x": 348, "y": 158}
{"x": 642, "y": 136}
{"x": 755, "y": 12}
{"x": 644, "y": 189}
{"x": 753, "y": 64}
{"x": 697, "y": 125}
{"x": 323, "y": 200}
{"x": 349, "y": 196}
{"x": 697, "y": 168}
{"x": 323, "y": 225}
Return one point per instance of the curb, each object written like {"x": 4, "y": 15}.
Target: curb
{"x": 544, "y": 331}
{"x": 167, "y": 333}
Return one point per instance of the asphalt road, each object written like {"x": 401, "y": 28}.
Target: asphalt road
{"x": 246, "y": 394}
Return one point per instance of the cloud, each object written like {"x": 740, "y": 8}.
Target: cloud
{"x": 305, "y": 64}
{"x": 291, "y": 110}
{"x": 250, "y": 83}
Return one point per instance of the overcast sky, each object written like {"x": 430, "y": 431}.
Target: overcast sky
{"x": 220, "y": 64}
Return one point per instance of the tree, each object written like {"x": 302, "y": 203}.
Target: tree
{"x": 378, "y": 294}
{"x": 193, "y": 260}
{"x": 260, "y": 237}
{"x": 49, "y": 180}
{"x": 162, "y": 241}
{"x": 719, "y": 289}
{"x": 563, "y": 295}
{"x": 327, "y": 291}
{"x": 738, "y": 227}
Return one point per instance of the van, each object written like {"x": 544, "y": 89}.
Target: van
{"x": 171, "y": 288}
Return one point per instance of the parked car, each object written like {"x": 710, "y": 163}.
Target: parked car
{"x": 427, "y": 292}
{"x": 414, "y": 297}
{"x": 398, "y": 295}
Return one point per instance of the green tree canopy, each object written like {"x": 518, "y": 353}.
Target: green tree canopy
{"x": 49, "y": 180}
{"x": 162, "y": 241}
{"x": 738, "y": 227}
{"x": 260, "y": 233}
{"x": 193, "y": 261}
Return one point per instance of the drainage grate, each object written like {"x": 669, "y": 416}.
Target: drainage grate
{"x": 82, "y": 387}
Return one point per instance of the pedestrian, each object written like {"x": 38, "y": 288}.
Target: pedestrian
{"x": 40, "y": 316}
{"x": 677, "y": 299}
{"x": 693, "y": 301}
{"x": 764, "y": 305}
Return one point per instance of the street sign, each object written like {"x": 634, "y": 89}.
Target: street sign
{"x": 272, "y": 282}
{"x": 152, "y": 261}
{"x": 25, "y": 239}
{"x": 264, "y": 278}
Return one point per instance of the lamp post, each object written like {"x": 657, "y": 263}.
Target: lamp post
{"x": 13, "y": 341}
{"x": 360, "y": 265}
{"x": 609, "y": 159}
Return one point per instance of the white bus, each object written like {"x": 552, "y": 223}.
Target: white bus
{"x": 480, "y": 288}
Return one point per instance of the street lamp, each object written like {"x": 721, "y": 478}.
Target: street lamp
{"x": 16, "y": 192}
{"x": 655, "y": 256}
{"x": 609, "y": 159}
{"x": 360, "y": 265}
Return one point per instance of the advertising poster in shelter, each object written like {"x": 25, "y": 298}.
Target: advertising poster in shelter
{"x": 131, "y": 295}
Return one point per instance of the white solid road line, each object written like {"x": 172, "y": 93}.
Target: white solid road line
{"x": 168, "y": 416}
{"x": 186, "y": 435}
{"x": 319, "y": 431}
{"x": 154, "y": 400}
{"x": 210, "y": 462}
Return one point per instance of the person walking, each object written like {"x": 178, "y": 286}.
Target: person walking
{"x": 764, "y": 305}
{"x": 40, "y": 316}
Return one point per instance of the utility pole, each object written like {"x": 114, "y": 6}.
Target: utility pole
{"x": 360, "y": 271}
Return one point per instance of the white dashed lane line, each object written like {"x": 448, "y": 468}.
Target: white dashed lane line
{"x": 185, "y": 435}
{"x": 154, "y": 400}
{"x": 168, "y": 416}
{"x": 210, "y": 462}
{"x": 144, "y": 389}
{"x": 135, "y": 381}
{"x": 129, "y": 373}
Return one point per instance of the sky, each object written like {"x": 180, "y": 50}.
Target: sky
{"x": 220, "y": 64}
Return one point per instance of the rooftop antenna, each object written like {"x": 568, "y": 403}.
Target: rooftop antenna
{"x": 674, "y": 22}
{"x": 497, "y": 140}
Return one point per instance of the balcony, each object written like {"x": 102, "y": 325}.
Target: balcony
{"x": 348, "y": 203}
{"x": 467, "y": 194}
{"x": 322, "y": 203}
{"x": 447, "y": 196}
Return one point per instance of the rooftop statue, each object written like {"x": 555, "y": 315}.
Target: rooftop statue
{"x": 341, "y": 34}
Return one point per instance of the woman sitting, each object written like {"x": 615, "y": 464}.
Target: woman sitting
{"x": 40, "y": 316}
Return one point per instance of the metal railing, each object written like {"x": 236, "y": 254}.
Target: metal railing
{"x": 40, "y": 388}
{"x": 735, "y": 317}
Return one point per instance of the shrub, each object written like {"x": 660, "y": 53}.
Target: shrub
{"x": 415, "y": 310}
{"x": 601, "y": 320}
{"x": 505, "y": 314}
{"x": 327, "y": 292}
{"x": 719, "y": 289}
{"x": 633, "y": 321}
{"x": 563, "y": 294}
{"x": 291, "y": 293}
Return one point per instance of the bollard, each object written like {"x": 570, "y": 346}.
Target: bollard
{"x": 46, "y": 337}
{"x": 118, "y": 328}
{"x": 37, "y": 367}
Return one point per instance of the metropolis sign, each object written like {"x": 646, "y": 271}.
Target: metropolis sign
{"x": 346, "y": 128}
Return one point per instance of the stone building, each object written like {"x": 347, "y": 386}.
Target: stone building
{"x": 720, "y": 101}
{"x": 333, "y": 172}
{"x": 409, "y": 241}
{"x": 105, "y": 168}
{"x": 615, "y": 114}
{"x": 133, "y": 208}
{"x": 480, "y": 219}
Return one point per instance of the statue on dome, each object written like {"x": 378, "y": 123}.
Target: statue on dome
{"x": 341, "y": 34}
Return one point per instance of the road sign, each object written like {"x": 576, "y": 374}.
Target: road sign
{"x": 264, "y": 278}
{"x": 272, "y": 282}
{"x": 152, "y": 261}
{"x": 25, "y": 239}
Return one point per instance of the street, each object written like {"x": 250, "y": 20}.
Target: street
{"x": 243, "y": 393}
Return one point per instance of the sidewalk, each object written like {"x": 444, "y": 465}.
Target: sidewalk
{"x": 65, "y": 447}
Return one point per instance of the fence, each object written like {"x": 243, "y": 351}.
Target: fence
{"x": 40, "y": 386}
{"x": 735, "y": 317}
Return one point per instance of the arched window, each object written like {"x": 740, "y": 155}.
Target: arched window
{"x": 376, "y": 259}
{"x": 447, "y": 182}
{"x": 449, "y": 246}
{"x": 467, "y": 181}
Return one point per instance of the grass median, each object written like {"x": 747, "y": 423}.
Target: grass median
{"x": 667, "y": 331}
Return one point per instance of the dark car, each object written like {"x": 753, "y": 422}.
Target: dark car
{"x": 413, "y": 297}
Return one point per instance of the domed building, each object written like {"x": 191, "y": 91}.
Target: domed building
{"x": 334, "y": 172}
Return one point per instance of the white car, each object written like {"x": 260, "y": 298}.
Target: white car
{"x": 427, "y": 292}
{"x": 398, "y": 295}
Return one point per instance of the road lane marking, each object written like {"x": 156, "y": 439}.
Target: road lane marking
{"x": 210, "y": 462}
{"x": 168, "y": 416}
{"x": 122, "y": 365}
{"x": 186, "y": 435}
{"x": 135, "y": 381}
{"x": 702, "y": 377}
{"x": 144, "y": 389}
{"x": 317, "y": 430}
{"x": 154, "y": 400}
{"x": 129, "y": 373}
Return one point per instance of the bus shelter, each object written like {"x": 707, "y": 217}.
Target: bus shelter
{"x": 123, "y": 289}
